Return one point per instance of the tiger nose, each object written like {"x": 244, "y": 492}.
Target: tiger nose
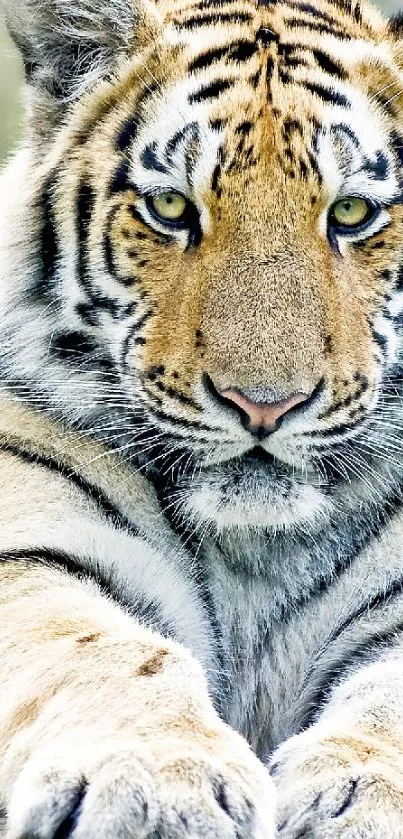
{"x": 261, "y": 418}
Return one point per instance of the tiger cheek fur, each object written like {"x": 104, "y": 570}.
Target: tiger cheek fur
{"x": 201, "y": 468}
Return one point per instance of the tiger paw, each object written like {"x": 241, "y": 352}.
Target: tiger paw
{"x": 345, "y": 785}
{"x": 165, "y": 788}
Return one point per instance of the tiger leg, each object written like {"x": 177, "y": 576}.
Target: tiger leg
{"x": 107, "y": 729}
{"x": 343, "y": 777}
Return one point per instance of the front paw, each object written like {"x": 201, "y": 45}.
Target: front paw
{"x": 170, "y": 788}
{"x": 341, "y": 785}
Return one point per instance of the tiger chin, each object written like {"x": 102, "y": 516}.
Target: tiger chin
{"x": 201, "y": 423}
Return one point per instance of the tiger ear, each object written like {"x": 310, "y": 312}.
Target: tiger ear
{"x": 67, "y": 44}
{"x": 394, "y": 32}
{"x": 395, "y": 26}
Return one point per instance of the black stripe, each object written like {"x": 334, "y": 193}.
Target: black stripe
{"x": 381, "y": 340}
{"x": 66, "y": 343}
{"x": 89, "y": 311}
{"x": 244, "y": 127}
{"x": 236, "y": 51}
{"x": 85, "y": 207}
{"x": 207, "y": 58}
{"x": 150, "y": 160}
{"x": 201, "y": 5}
{"x": 218, "y": 124}
{"x": 108, "y": 251}
{"x": 192, "y": 545}
{"x": 47, "y": 556}
{"x": 332, "y": 432}
{"x": 105, "y": 505}
{"x": 360, "y": 655}
{"x": 185, "y": 421}
{"x": 321, "y": 28}
{"x": 218, "y": 17}
{"x": 78, "y": 347}
{"x": 132, "y": 337}
{"x": 127, "y": 134}
{"x": 328, "y": 65}
{"x": 216, "y": 178}
{"x": 314, "y": 12}
{"x": 49, "y": 252}
{"x": 314, "y": 166}
{"x": 120, "y": 181}
{"x": 399, "y": 279}
{"x": 191, "y": 128}
{"x": 86, "y": 313}
{"x": 108, "y": 255}
{"x": 210, "y": 91}
{"x": 346, "y": 134}
{"x": 381, "y": 599}
{"x": 378, "y": 168}
{"x": 358, "y": 542}
{"x": 327, "y": 94}
{"x": 145, "y": 610}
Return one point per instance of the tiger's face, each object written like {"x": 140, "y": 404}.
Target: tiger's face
{"x": 229, "y": 216}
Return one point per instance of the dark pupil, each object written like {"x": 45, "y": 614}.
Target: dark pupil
{"x": 348, "y": 205}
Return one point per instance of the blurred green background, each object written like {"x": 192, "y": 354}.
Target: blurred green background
{"x": 10, "y": 94}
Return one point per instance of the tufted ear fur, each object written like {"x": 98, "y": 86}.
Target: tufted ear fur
{"x": 394, "y": 33}
{"x": 395, "y": 26}
{"x": 67, "y": 44}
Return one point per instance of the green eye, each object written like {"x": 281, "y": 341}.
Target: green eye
{"x": 351, "y": 212}
{"x": 169, "y": 206}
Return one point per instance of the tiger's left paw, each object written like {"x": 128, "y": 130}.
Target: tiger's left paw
{"x": 343, "y": 785}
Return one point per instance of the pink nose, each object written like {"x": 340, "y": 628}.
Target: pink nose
{"x": 263, "y": 416}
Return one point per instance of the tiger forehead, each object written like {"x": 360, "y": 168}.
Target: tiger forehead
{"x": 285, "y": 36}
{"x": 257, "y": 85}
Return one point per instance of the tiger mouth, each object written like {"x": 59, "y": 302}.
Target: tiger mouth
{"x": 260, "y": 465}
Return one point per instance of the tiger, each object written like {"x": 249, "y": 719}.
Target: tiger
{"x": 201, "y": 465}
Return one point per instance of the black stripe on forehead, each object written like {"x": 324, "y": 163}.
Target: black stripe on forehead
{"x": 351, "y": 7}
{"x": 221, "y": 5}
{"x": 210, "y": 91}
{"x": 218, "y": 17}
{"x": 238, "y": 51}
{"x": 309, "y": 9}
{"x": 328, "y": 65}
{"x": 345, "y": 134}
{"x": 318, "y": 26}
{"x": 190, "y": 132}
{"x": 186, "y": 139}
{"x": 327, "y": 94}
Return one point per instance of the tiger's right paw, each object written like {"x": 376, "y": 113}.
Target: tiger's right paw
{"x": 173, "y": 791}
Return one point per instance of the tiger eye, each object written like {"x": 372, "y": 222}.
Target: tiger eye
{"x": 351, "y": 212}
{"x": 169, "y": 206}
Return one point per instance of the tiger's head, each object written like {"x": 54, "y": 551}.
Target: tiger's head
{"x": 214, "y": 246}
